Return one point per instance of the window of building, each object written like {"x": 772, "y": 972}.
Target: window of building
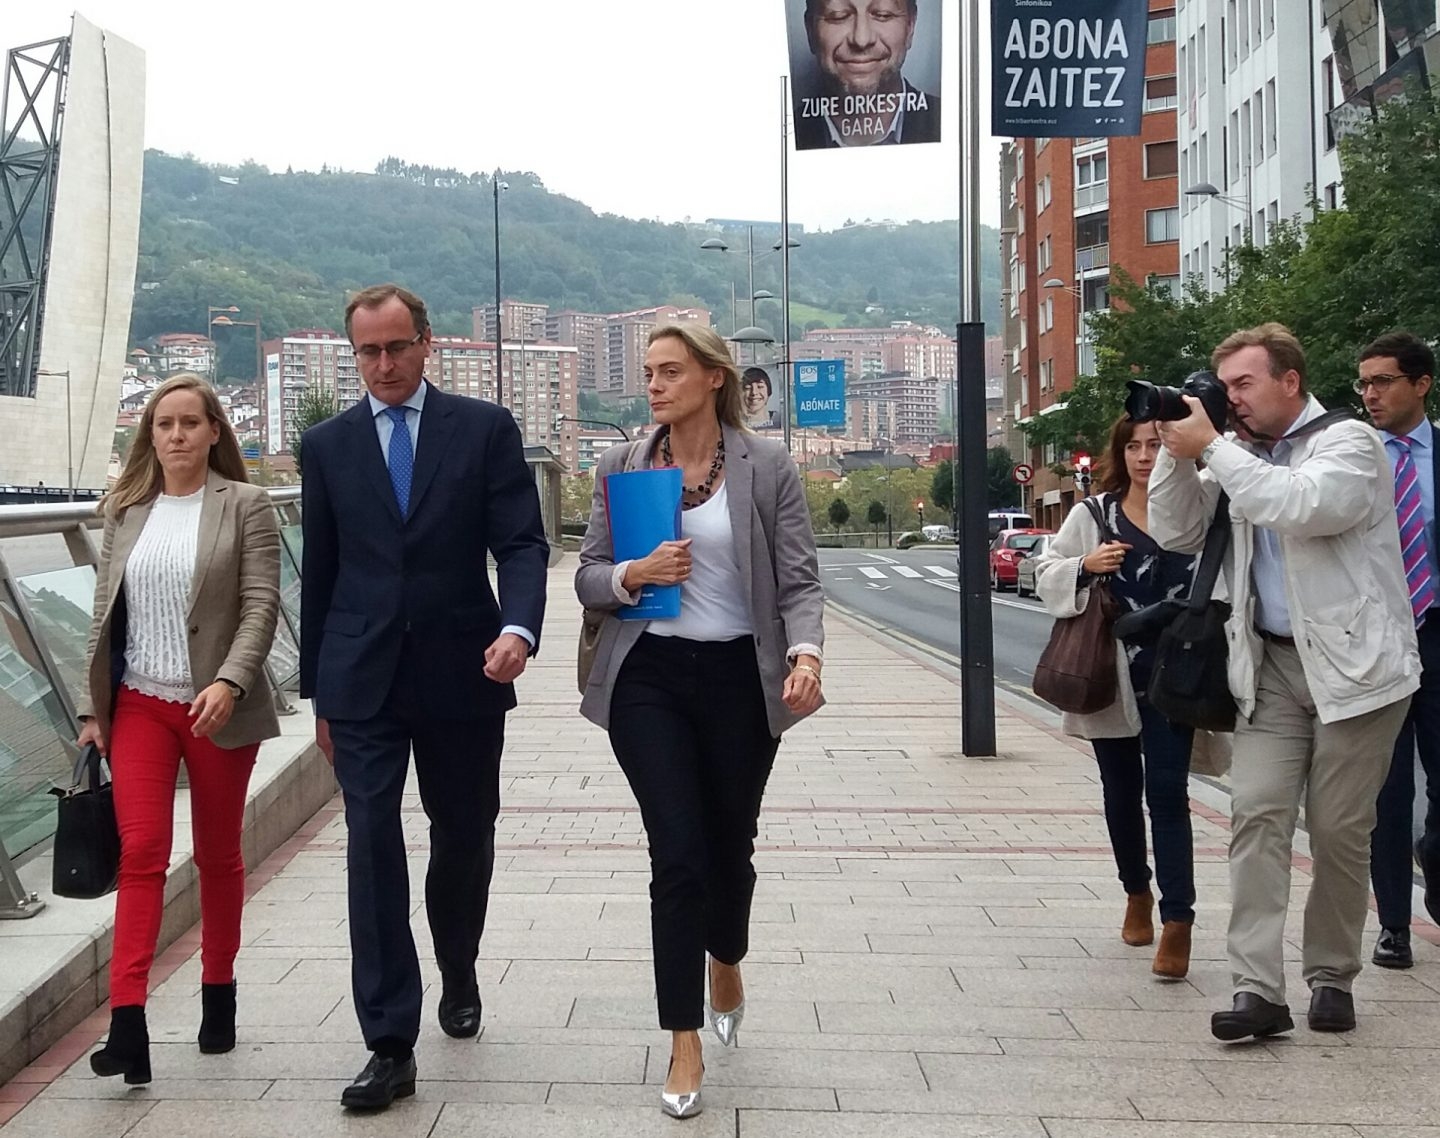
{"x": 1332, "y": 196}
{"x": 1232, "y": 44}
{"x": 1047, "y": 314}
{"x": 1162, "y": 224}
{"x": 1042, "y": 194}
{"x": 1200, "y": 60}
{"x": 1047, "y": 374}
{"x": 1045, "y": 252}
{"x": 1162, "y": 93}
{"x": 1162, "y": 159}
{"x": 1162, "y": 27}
{"x": 1259, "y": 127}
{"x": 1273, "y": 113}
{"x": 1092, "y": 170}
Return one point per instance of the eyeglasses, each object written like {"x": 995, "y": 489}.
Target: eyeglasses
{"x": 371, "y": 352}
{"x": 1381, "y": 383}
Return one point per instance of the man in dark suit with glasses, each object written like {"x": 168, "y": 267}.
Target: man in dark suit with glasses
{"x": 405, "y": 647}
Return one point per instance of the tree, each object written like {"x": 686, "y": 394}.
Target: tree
{"x": 942, "y": 487}
{"x": 124, "y": 436}
{"x": 1000, "y": 488}
{"x": 316, "y": 405}
{"x": 576, "y": 495}
{"x": 875, "y": 514}
{"x": 838, "y": 513}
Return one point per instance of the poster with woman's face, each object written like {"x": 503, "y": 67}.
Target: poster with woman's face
{"x": 759, "y": 400}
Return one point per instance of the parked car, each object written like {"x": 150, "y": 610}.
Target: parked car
{"x": 1025, "y": 571}
{"x": 1011, "y": 546}
{"x": 938, "y": 533}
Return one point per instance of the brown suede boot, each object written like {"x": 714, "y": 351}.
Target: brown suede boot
{"x": 1172, "y": 958}
{"x": 1139, "y": 926}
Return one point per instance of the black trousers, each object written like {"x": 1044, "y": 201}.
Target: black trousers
{"x": 457, "y": 764}
{"x": 688, "y": 725}
{"x": 1391, "y": 868}
{"x": 1154, "y": 765}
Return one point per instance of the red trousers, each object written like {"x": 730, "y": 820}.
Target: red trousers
{"x": 148, "y": 737}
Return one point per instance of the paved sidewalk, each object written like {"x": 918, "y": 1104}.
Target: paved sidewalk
{"x": 936, "y": 951}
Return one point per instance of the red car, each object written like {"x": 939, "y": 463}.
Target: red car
{"x": 1011, "y": 546}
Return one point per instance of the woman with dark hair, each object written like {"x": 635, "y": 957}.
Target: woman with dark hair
{"x": 1140, "y": 754}
{"x": 187, "y": 592}
{"x": 695, "y": 706}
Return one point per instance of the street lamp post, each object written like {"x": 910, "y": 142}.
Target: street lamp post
{"x": 496, "y": 185}
{"x": 594, "y": 423}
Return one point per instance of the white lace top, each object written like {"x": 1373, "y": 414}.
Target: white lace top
{"x": 157, "y": 596}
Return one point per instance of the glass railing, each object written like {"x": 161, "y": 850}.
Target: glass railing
{"x": 47, "y": 589}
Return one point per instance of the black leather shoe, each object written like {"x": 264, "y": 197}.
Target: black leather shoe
{"x": 1252, "y": 1017}
{"x": 381, "y": 1082}
{"x": 1331, "y": 1010}
{"x": 460, "y": 1014}
{"x": 1392, "y": 950}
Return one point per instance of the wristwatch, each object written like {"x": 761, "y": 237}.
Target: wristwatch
{"x": 1210, "y": 448}
{"x": 235, "y": 689}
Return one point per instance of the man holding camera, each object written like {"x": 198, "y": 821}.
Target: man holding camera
{"x": 1322, "y": 660}
{"x": 1396, "y": 373}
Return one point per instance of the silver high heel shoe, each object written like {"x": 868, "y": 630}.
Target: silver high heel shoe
{"x": 686, "y": 1105}
{"x": 726, "y": 1025}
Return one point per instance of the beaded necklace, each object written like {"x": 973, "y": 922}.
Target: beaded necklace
{"x": 699, "y": 494}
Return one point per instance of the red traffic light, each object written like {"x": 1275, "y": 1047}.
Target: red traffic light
{"x": 1082, "y": 461}
{"x": 919, "y": 505}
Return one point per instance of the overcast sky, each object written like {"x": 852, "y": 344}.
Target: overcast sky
{"x": 653, "y": 108}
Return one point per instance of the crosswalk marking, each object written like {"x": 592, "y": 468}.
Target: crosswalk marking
{"x": 941, "y": 571}
{"x": 872, "y": 572}
{"x": 906, "y": 571}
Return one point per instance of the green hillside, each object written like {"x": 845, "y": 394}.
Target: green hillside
{"x": 289, "y": 246}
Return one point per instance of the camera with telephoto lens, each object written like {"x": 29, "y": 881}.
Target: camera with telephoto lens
{"x": 1148, "y": 402}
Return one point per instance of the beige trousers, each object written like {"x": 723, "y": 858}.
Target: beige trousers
{"x": 1283, "y": 755}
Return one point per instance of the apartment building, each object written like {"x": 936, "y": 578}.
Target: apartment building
{"x": 586, "y": 332}
{"x": 521, "y": 320}
{"x": 916, "y": 400}
{"x": 627, "y": 336}
{"x": 296, "y": 362}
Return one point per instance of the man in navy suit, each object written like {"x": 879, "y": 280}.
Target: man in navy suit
{"x": 403, "y": 646}
{"x": 1396, "y": 373}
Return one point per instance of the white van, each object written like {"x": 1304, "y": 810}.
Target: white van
{"x": 1009, "y": 519}
{"x": 938, "y": 533}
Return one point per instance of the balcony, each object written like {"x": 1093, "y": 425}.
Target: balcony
{"x": 1092, "y": 257}
{"x": 1094, "y": 196}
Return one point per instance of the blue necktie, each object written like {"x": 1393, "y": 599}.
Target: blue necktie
{"x": 402, "y": 458}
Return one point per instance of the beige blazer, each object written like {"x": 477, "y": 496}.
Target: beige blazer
{"x": 774, "y": 546}
{"x": 234, "y": 604}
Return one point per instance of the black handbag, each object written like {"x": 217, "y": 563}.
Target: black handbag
{"x": 87, "y": 840}
{"x": 1189, "y": 681}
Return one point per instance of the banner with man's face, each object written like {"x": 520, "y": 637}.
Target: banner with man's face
{"x": 864, "y": 72}
{"x": 1067, "y": 68}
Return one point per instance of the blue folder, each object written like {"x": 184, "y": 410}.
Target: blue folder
{"x": 643, "y": 508}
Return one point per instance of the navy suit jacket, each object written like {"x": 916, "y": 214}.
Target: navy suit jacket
{"x": 369, "y": 578}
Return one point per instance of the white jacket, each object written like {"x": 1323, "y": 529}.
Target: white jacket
{"x": 1333, "y": 506}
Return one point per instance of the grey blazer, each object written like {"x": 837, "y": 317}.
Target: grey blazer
{"x": 774, "y": 546}
{"x": 233, "y": 606}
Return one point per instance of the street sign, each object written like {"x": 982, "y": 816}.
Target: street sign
{"x": 1022, "y": 473}
{"x": 250, "y": 450}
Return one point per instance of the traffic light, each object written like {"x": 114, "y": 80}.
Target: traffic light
{"x": 920, "y": 509}
{"x": 1082, "y": 472}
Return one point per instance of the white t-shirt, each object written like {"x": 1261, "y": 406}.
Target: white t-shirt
{"x": 712, "y": 601}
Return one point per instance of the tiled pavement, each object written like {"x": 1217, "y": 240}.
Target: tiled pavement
{"x": 935, "y": 952}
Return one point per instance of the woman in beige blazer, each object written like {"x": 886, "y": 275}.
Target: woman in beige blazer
{"x": 187, "y": 592}
{"x": 695, "y": 706}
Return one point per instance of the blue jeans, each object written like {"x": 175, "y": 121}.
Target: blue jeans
{"x": 1155, "y": 766}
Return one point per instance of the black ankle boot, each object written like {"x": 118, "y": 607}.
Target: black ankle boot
{"x": 127, "y": 1050}
{"x": 217, "y": 1018}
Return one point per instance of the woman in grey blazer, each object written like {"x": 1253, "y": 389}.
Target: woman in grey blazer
{"x": 187, "y": 591}
{"x": 695, "y": 706}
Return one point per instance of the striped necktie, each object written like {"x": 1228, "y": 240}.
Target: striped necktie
{"x": 1411, "y": 516}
